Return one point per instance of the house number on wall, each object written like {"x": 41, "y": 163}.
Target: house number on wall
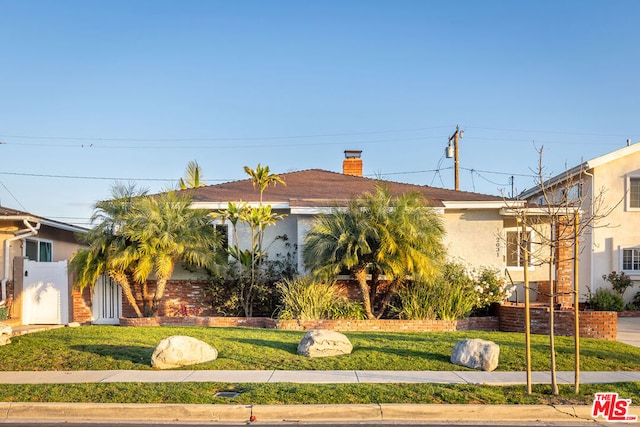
{"x": 498, "y": 244}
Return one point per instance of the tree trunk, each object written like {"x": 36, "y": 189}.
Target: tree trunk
{"x": 361, "y": 277}
{"x": 391, "y": 291}
{"x": 122, "y": 280}
{"x": 161, "y": 284}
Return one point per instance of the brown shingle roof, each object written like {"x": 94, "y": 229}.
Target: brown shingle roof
{"x": 316, "y": 187}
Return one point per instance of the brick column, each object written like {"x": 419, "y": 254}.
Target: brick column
{"x": 564, "y": 259}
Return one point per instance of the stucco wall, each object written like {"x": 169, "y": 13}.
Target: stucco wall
{"x": 620, "y": 229}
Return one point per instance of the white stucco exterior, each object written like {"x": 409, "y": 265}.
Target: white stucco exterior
{"x": 605, "y": 189}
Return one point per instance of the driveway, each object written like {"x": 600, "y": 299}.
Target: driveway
{"x": 629, "y": 330}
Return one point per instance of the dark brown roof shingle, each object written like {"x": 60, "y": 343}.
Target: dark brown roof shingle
{"x": 316, "y": 187}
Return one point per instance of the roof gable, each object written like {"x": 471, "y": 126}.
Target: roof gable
{"x": 583, "y": 167}
{"x": 14, "y": 214}
{"x": 316, "y": 187}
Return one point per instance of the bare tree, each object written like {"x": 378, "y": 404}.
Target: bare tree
{"x": 552, "y": 230}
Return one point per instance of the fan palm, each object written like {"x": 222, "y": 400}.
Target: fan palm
{"x": 105, "y": 240}
{"x": 166, "y": 230}
{"x": 394, "y": 239}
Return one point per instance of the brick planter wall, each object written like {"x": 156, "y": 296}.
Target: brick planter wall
{"x": 387, "y": 325}
{"x": 593, "y": 324}
{"x": 222, "y": 322}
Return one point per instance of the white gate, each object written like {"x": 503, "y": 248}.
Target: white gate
{"x": 106, "y": 307}
{"x": 45, "y": 293}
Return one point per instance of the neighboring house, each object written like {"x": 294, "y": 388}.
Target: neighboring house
{"x": 480, "y": 230}
{"x": 35, "y": 285}
{"x": 613, "y": 244}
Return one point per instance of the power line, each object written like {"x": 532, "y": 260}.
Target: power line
{"x": 253, "y": 138}
{"x": 551, "y": 132}
{"x": 14, "y": 197}
{"x": 183, "y": 147}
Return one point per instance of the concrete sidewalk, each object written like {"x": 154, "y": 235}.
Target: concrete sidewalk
{"x": 310, "y": 377}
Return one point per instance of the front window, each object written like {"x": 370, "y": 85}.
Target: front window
{"x": 517, "y": 243}
{"x": 38, "y": 250}
{"x": 631, "y": 260}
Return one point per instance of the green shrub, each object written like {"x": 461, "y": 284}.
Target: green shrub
{"x": 306, "y": 299}
{"x": 619, "y": 281}
{"x": 491, "y": 287}
{"x": 605, "y": 300}
{"x": 635, "y": 303}
{"x": 450, "y": 296}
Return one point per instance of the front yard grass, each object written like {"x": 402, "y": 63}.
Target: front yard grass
{"x": 114, "y": 347}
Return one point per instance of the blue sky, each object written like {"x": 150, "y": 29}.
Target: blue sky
{"x": 94, "y": 91}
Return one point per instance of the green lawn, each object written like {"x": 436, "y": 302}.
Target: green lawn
{"x": 114, "y": 347}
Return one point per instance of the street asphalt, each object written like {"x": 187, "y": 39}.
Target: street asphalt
{"x": 628, "y": 332}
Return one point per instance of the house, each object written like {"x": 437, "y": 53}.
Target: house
{"x": 35, "y": 286}
{"x": 479, "y": 228}
{"x": 609, "y": 187}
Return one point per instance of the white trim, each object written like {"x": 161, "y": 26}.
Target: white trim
{"x": 225, "y": 205}
{"x": 38, "y": 241}
{"x": 498, "y": 204}
{"x": 621, "y": 249}
{"x": 47, "y": 222}
{"x": 312, "y": 211}
{"x": 532, "y": 259}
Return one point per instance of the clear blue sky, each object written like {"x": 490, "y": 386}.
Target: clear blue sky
{"x": 134, "y": 90}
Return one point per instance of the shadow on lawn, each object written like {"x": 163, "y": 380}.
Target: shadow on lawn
{"x": 133, "y": 354}
{"x": 273, "y": 344}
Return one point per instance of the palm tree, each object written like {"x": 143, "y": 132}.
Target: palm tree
{"x": 107, "y": 239}
{"x": 398, "y": 239}
{"x": 261, "y": 178}
{"x": 166, "y": 230}
{"x": 138, "y": 235}
{"x": 192, "y": 176}
{"x": 339, "y": 242}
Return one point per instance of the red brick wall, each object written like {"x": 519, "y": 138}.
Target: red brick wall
{"x": 223, "y": 322}
{"x": 178, "y": 293}
{"x": 81, "y": 305}
{"x": 593, "y": 324}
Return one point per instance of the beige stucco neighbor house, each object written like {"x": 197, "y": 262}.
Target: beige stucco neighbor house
{"x": 35, "y": 286}
{"x": 613, "y": 244}
{"x": 479, "y": 228}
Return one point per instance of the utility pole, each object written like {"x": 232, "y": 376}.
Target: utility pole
{"x": 454, "y": 153}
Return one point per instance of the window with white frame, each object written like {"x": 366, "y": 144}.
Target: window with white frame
{"x": 517, "y": 243}
{"x": 38, "y": 250}
{"x": 633, "y": 192}
{"x": 631, "y": 260}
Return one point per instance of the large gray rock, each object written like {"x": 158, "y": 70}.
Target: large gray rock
{"x": 476, "y": 354}
{"x": 322, "y": 343}
{"x": 179, "y": 350}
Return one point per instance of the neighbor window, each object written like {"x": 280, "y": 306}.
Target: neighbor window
{"x": 631, "y": 260}
{"x": 634, "y": 193}
{"x": 38, "y": 250}
{"x": 515, "y": 251}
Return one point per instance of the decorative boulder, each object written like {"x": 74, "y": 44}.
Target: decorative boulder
{"x": 5, "y": 334}
{"x": 322, "y": 343}
{"x": 179, "y": 350}
{"x": 476, "y": 354}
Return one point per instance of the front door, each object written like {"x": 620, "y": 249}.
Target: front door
{"x": 106, "y": 307}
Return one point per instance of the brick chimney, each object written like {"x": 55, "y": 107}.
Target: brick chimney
{"x": 352, "y": 164}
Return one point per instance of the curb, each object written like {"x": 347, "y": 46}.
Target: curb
{"x": 10, "y": 411}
